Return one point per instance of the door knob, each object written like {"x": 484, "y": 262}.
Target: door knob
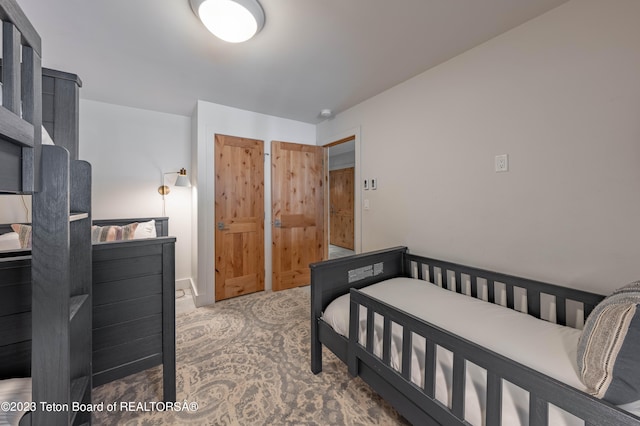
{"x": 277, "y": 223}
{"x": 221, "y": 227}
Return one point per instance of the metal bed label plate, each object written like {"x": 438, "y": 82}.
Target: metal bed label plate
{"x": 365, "y": 272}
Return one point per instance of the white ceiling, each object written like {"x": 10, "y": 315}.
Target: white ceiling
{"x": 310, "y": 55}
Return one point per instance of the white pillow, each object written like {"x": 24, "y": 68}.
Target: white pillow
{"x": 145, "y": 230}
{"x": 10, "y": 241}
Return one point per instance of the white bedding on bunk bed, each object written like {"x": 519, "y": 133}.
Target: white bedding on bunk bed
{"x": 14, "y": 391}
{"x": 10, "y": 241}
{"x": 543, "y": 346}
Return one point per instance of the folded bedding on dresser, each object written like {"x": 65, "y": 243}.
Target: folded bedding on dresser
{"x": 543, "y": 346}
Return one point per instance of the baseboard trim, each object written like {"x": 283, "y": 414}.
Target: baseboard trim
{"x": 186, "y": 284}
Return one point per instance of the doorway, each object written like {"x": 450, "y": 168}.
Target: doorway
{"x": 341, "y": 197}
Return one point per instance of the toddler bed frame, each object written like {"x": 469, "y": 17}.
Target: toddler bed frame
{"x": 333, "y": 278}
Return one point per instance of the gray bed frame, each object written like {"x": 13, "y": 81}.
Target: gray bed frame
{"x": 21, "y": 109}
{"x": 334, "y": 278}
{"x": 133, "y": 307}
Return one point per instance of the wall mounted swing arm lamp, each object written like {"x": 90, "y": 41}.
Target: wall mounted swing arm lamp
{"x": 233, "y": 21}
{"x": 182, "y": 180}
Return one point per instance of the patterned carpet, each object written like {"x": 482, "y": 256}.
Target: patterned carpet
{"x": 245, "y": 361}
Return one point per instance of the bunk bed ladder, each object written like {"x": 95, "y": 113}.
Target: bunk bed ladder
{"x": 61, "y": 296}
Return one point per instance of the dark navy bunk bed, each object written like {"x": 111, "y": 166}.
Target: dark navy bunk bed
{"x": 57, "y": 340}
{"x": 60, "y": 289}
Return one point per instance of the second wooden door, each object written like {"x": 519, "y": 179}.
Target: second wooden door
{"x": 297, "y": 195}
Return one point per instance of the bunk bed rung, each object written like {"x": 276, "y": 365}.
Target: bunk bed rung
{"x": 75, "y": 304}
{"x": 14, "y": 128}
{"x": 77, "y": 216}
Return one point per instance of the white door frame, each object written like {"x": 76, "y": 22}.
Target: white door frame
{"x": 357, "y": 208}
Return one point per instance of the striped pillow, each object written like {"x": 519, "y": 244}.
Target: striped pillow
{"x": 113, "y": 233}
{"x": 24, "y": 234}
{"x": 609, "y": 347}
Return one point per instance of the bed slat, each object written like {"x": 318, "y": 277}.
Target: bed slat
{"x": 538, "y": 411}
{"x": 494, "y": 399}
{"x": 491, "y": 291}
{"x": 458, "y": 278}
{"x": 474, "y": 286}
{"x": 432, "y": 277}
{"x": 459, "y": 369}
{"x": 430, "y": 369}
{"x": 561, "y": 310}
{"x": 386, "y": 339}
{"x": 406, "y": 352}
{"x": 533, "y": 303}
{"x": 510, "y": 289}
{"x": 370, "y": 330}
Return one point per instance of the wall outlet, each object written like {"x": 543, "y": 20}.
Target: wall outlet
{"x": 502, "y": 163}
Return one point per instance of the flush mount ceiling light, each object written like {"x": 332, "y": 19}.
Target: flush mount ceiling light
{"x": 234, "y": 21}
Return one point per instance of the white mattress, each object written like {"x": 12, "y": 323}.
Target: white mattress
{"x": 513, "y": 334}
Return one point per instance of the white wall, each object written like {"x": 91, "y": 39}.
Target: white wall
{"x": 211, "y": 119}
{"x": 129, "y": 149}
{"x": 561, "y": 96}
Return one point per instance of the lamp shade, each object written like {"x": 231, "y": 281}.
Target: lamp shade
{"x": 233, "y": 21}
{"x": 182, "y": 179}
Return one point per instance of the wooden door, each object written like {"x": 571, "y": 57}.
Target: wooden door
{"x": 341, "y": 207}
{"x": 239, "y": 216}
{"x": 297, "y": 195}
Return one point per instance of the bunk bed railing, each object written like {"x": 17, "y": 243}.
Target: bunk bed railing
{"x": 21, "y": 110}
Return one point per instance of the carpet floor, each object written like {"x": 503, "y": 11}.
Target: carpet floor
{"x": 245, "y": 361}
